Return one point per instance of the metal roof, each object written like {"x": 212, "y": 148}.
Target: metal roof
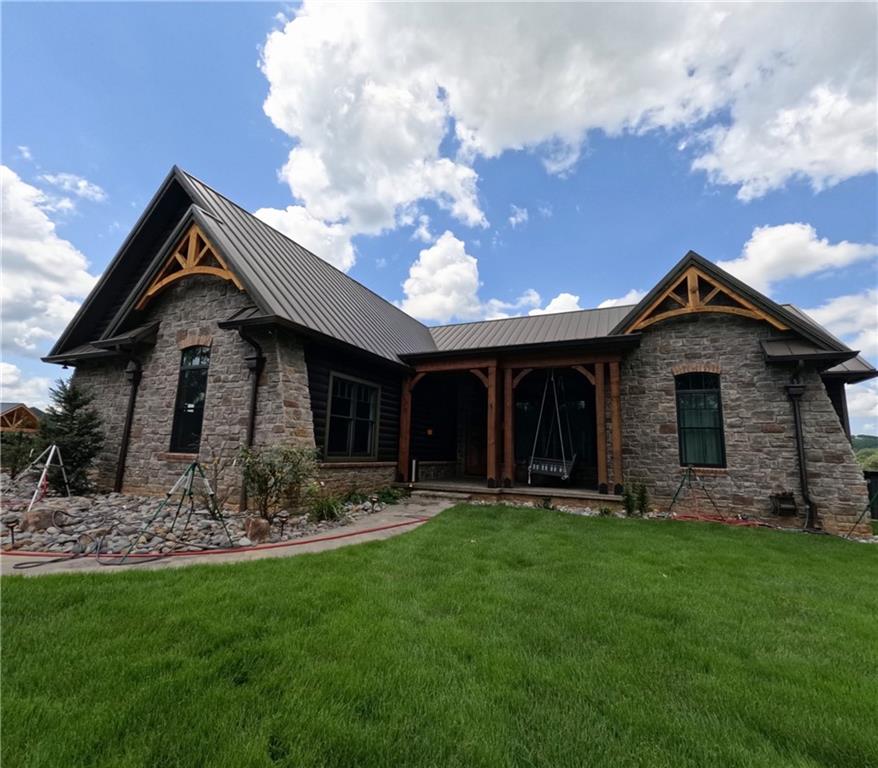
{"x": 292, "y": 283}
{"x": 532, "y": 329}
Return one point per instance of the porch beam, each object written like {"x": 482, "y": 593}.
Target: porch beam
{"x": 585, "y": 372}
{"x": 508, "y": 428}
{"x": 567, "y": 361}
{"x": 519, "y": 376}
{"x": 460, "y": 364}
{"x": 480, "y": 375}
{"x": 405, "y": 431}
{"x": 616, "y": 415}
{"x": 492, "y": 426}
{"x": 416, "y": 378}
{"x": 600, "y": 418}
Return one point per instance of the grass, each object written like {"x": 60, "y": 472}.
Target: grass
{"x": 489, "y": 637}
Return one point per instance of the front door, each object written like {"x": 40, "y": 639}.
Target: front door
{"x": 475, "y": 460}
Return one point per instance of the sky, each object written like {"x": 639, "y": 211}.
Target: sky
{"x": 463, "y": 161}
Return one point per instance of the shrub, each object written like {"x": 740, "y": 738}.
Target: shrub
{"x": 629, "y": 500}
{"x": 17, "y": 450}
{"x": 75, "y": 427}
{"x": 391, "y": 494}
{"x": 642, "y": 499}
{"x": 324, "y": 506}
{"x": 277, "y": 476}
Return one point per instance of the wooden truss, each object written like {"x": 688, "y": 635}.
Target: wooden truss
{"x": 694, "y": 292}
{"x": 193, "y": 255}
{"x": 19, "y": 419}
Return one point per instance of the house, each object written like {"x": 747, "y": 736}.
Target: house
{"x": 18, "y": 417}
{"x": 210, "y": 329}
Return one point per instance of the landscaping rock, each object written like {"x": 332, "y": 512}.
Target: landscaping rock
{"x": 38, "y": 519}
{"x": 258, "y": 529}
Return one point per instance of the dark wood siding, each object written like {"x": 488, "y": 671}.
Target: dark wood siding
{"x": 322, "y": 361}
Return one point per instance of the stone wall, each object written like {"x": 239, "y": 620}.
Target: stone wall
{"x": 189, "y": 312}
{"x": 343, "y": 477}
{"x": 758, "y": 424}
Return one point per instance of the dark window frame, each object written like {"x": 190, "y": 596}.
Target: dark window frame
{"x": 720, "y": 428}
{"x": 177, "y": 445}
{"x": 349, "y": 455}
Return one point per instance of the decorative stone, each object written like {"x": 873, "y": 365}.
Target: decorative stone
{"x": 258, "y": 529}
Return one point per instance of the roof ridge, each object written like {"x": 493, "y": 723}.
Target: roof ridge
{"x": 522, "y": 317}
{"x": 299, "y": 245}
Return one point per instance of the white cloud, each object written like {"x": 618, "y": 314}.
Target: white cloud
{"x": 422, "y": 232}
{"x": 854, "y": 319}
{"x": 632, "y": 297}
{"x": 331, "y": 242}
{"x": 563, "y": 302}
{"x": 763, "y": 93}
{"x": 519, "y": 216}
{"x": 24, "y": 152}
{"x": 863, "y": 407}
{"x": 75, "y": 185}
{"x": 443, "y": 284}
{"x": 776, "y": 253}
{"x": 44, "y": 275}
{"x": 17, "y": 388}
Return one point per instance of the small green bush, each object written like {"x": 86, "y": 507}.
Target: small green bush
{"x": 325, "y": 507}
{"x": 629, "y": 500}
{"x": 391, "y": 494}
{"x": 641, "y": 499}
{"x": 277, "y": 477}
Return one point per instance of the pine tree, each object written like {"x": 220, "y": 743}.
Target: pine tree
{"x": 75, "y": 427}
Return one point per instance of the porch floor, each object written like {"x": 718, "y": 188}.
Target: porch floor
{"x": 473, "y": 489}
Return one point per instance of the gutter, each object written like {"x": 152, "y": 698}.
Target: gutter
{"x": 255, "y": 362}
{"x": 134, "y": 374}
{"x": 795, "y": 389}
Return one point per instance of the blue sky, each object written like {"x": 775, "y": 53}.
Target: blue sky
{"x": 462, "y": 139}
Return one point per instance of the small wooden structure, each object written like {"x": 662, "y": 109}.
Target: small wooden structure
{"x": 17, "y": 417}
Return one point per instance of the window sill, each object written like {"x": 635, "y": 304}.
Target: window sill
{"x": 349, "y": 463}
{"x": 171, "y": 456}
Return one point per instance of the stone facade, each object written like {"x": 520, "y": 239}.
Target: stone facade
{"x": 189, "y": 312}
{"x": 758, "y": 424}
{"x": 343, "y": 477}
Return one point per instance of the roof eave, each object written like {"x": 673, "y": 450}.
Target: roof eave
{"x": 623, "y": 341}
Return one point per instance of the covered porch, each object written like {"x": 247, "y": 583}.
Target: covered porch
{"x": 546, "y": 422}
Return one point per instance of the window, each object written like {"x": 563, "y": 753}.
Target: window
{"x": 700, "y": 420}
{"x": 353, "y": 410}
{"x": 191, "y": 391}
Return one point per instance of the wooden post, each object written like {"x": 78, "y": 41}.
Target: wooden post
{"x": 508, "y": 429}
{"x": 616, "y": 415}
{"x": 403, "y": 469}
{"x": 492, "y": 426}
{"x": 600, "y": 426}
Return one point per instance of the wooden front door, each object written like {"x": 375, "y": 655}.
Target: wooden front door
{"x": 475, "y": 459}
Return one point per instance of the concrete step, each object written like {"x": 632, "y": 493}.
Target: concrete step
{"x": 450, "y": 495}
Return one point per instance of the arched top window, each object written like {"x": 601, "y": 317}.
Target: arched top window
{"x": 191, "y": 394}
{"x": 700, "y": 420}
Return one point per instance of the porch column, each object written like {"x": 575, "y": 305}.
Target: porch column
{"x": 616, "y": 416}
{"x": 403, "y": 469}
{"x": 508, "y": 429}
{"x": 492, "y": 426}
{"x": 600, "y": 426}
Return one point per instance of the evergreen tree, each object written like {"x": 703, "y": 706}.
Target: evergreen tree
{"x": 75, "y": 427}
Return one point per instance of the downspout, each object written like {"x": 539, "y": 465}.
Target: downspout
{"x": 255, "y": 362}
{"x": 795, "y": 389}
{"x": 133, "y": 373}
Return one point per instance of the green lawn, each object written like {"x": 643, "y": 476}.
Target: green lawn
{"x": 488, "y": 637}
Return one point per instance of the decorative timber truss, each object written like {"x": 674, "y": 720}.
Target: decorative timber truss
{"x": 193, "y": 255}
{"x": 19, "y": 418}
{"x": 695, "y": 291}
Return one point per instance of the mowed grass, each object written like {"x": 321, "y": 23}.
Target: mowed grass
{"x": 488, "y": 637}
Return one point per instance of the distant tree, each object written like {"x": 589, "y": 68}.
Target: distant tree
{"x": 75, "y": 427}
{"x": 864, "y": 441}
{"x": 17, "y": 450}
{"x": 868, "y": 458}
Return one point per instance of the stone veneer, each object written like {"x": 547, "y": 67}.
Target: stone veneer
{"x": 189, "y": 312}
{"x": 758, "y": 424}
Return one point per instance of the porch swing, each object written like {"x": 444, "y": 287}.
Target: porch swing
{"x": 546, "y": 465}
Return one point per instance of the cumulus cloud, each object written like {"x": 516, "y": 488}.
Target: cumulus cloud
{"x": 853, "y": 318}
{"x": 44, "y": 275}
{"x": 390, "y": 104}
{"x": 776, "y": 253}
{"x": 75, "y": 185}
{"x": 863, "y": 407}
{"x": 422, "y": 231}
{"x": 632, "y": 297}
{"x": 443, "y": 284}
{"x": 331, "y": 242}
{"x": 563, "y": 302}
{"x": 15, "y": 387}
{"x": 518, "y": 216}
